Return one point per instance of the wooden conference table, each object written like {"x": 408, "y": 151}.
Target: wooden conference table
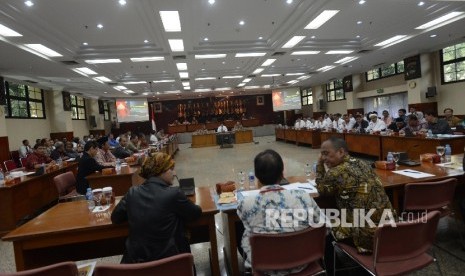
{"x": 211, "y": 139}
{"x": 69, "y": 231}
{"x": 120, "y": 182}
{"x": 392, "y": 182}
{"x": 28, "y": 196}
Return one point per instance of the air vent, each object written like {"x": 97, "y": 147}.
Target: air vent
{"x": 29, "y": 81}
{"x": 364, "y": 51}
{"x": 69, "y": 62}
{"x": 179, "y": 57}
{"x": 112, "y": 83}
{"x": 275, "y": 54}
{"x": 251, "y": 76}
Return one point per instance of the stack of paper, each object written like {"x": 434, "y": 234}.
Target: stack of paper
{"x": 413, "y": 173}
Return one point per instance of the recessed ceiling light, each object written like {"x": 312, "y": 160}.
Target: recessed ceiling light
{"x": 268, "y": 62}
{"x": 134, "y": 82}
{"x": 85, "y": 70}
{"x": 170, "y": 20}
{"x": 161, "y": 81}
{"x": 233, "y": 77}
{"x": 359, "y": 22}
{"x": 185, "y": 83}
{"x": 242, "y": 22}
{"x": 312, "y": 37}
{"x": 326, "y": 68}
{"x": 270, "y": 75}
{"x": 293, "y": 41}
{"x": 105, "y": 92}
{"x": 357, "y": 36}
{"x": 393, "y": 39}
{"x": 252, "y": 87}
{"x": 182, "y": 66}
{"x": 142, "y": 59}
{"x": 300, "y": 53}
{"x": 176, "y": 45}
{"x": 260, "y": 37}
{"x": 439, "y": 20}
{"x": 361, "y": 2}
{"x": 339, "y": 52}
{"x": 5, "y": 31}
{"x": 100, "y": 26}
{"x": 433, "y": 35}
{"x": 211, "y": 2}
{"x": 102, "y": 78}
{"x": 210, "y": 56}
{"x": 258, "y": 71}
{"x": 146, "y": 41}
{"x": 346, "y": 60}
{"x": 85, "y": 43}
{"x": 203, "y": 69}
{"x": 109, "y": 60}
{"x": 122, "y": 2}
{"x": 250, "y": 54}
{"x": 224, "y": 62}
{"x": 421, "y": 3}
{"x": 295, "y": 74}
{"x": 183, "y": 75}
{"x": 289, "y": 1}
{"x": 293, "y": 81}
{"x": 204, "y": 78}
{"x": 247, "y": 80}
{"x": 321, "y": 19}
{"x": 29, "y": 3}
{"x": 128, "y": 91}
{"x": 205, "y": 39}
{"x": 41, "y": 49}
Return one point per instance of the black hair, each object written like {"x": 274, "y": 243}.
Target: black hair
{"x": 89, "y": 145}
{"x": 338, "y": 143}
{"x": 403, "y": 110}
{"x": 431, "y": 113}
{"x": 269, "y": 167}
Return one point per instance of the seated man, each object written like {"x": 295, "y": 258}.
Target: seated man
{"x": 112, "y": 141}
{"x": 87, "y": 166}
{"x": 104, "y": 156}
{"x": 413, "y": 127}
{"x": 59, "y": 152}
{"x": 156, "y": 213}
{"x": 450, "y": 118}
{"x": 25, "y": 149}
{"x": 376, "y": 125}
{"x": 121, "y": 151}
{"x": 222, "y": 128}
{"x": 133, "y": 144}
{"x": 360, "y": 124}
{"x": 238, "y": 126}
{"x": 254, "y": 211}
{"x": 355, "y": 187}
{"x": 437, "y": 126}
{"x": 37, "y": 158}
{"x": 397, "y": 125}
{"x": 153, "y": 137}
{"x": 69, "y": 151}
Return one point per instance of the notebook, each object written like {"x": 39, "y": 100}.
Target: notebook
{"x": 187, "y": 185}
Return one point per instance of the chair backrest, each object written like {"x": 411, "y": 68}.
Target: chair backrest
{"x": 287, "y": 250}
{"x": 9, "y": 165}
{"x": 23, "y": 161}
{"x": 65, "y": 183}
{"x": 413, "y": 238}
{"x": 60, "y": 269}
{"x": 429, "y": 195}
{"x": 178, "y": 265}
{"x": 15, "y": 157}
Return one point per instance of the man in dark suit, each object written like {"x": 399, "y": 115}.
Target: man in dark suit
{"x": 360, "y": 124}
{"x": 87, "y": 165}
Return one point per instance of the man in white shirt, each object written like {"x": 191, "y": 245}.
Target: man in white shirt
{"x": 338, "y": 123}
{"x": 347, "y": 125}
{"x": 222, "y": 128}
{"x": 376, "y": 125}
{"x": 153, "y": 137}
{"x": 303, "y": 123}
{"x": 25, "y": 149}
{"x": 297, "y": 123}
{"x": 309, "y": 124}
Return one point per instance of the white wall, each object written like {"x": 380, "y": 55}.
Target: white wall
{"x": 30, "y": 129}
{"x": 337, "y": 107}
{"x": 80, "y": 128}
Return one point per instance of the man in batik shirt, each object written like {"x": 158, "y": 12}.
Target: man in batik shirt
{"x": 354, "y": 185}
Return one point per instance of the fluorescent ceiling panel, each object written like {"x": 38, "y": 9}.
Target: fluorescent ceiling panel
{"x": 250, "y": 54}
{"x": 241, "y": 84}
{"x": 295, "y": 74}
{"x": 326, "y": 68}
{"x": 41, "y": 49}
{"x": 346, "y": 60}
{"x": 7, "y": 32}
{"x": 170, "y": 20}
{"x": 301, "y": 53}
{"x": 183, "y": 75}
{"x": 97, "y": 61}
{"x": 439, "y": 20}
{"x": 210, "y": 56}
{"x": 134, "y": 82}
{"x": 268, "y": 62}
{"x": 120, "y": 87}
{"x": 247, "y": 80}
{"x": 258, "y": 71}
{"x": 202, "y": 90}
{"x": 252, "y": 87}
{"x": 321, "y": 19}
{"x": 185, "y": 83}
{"x": 102, "y": 78}
{"x": 223, "y": 88}
{"x": 176, "y": 45}
{"x": 339, "y": 52}
{"x": 160, "y": 81}
{"x": 182, "y": 66}
{"x": 303, "y": 77}
{"x": 233, "y": 77}
{"x": 204, "y": 78}
{"x": 270, "y": 75}
{"x": 85, "y": 70}
{"x": 142, "y": 59}
{"x": 293, "y": 41}
{"x": 390, "y": 40}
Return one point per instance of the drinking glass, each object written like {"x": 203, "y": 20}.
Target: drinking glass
{"x": 90, "y": 204}
{"x": 395, "y": 156}
{"x": 308, "y": 171}
{"x": 440, "y": 151}
{"x": 241, "y": 178}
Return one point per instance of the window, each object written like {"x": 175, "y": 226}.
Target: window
{"x": 78, "y": 106}
{"x": 307, "y": 96}
{"x": 453, "y": 63}
{"x": 106, "y": 111}
{"x": 24, "y": 101}
{"x": 385, "y": 71}
{"x": 334, "y": 91}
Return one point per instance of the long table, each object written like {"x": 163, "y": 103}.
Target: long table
{"x": 120, "y": 182}
{"x": 299, "y": 136}
{"x": 392, "y": 182}
{"x": 69, "y": 231}
{"x": 212, "y": 125}
{"x": 27, "y": 196}
{"x": 210, "y": 139}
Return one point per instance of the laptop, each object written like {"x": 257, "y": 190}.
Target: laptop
{"x": 187, "y": 185}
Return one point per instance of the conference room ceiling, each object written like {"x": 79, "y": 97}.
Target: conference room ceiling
{"x": 135, "y": 30}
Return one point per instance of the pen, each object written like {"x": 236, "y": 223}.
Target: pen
{"x": 411, "y": 172}
{"x": 305, "y": 188}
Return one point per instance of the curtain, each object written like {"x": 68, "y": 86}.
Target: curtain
{"x": 392, "y": 103}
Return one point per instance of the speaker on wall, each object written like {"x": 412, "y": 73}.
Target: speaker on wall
{"x": 431, "y": 92}
{"x": 321, "y": 104}
{"x": 101, "y": 108}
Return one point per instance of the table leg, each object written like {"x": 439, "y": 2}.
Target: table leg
{"x": 215, "y": 265}
{"x": 19, "y": 256}
{"x": 230, "y": 241}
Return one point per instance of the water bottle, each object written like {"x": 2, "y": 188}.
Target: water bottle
{"x": 89, "y": 194}
{"x": 448, "y": 152}
{"x": 315, "y": 164}
{"x": 90, "y": 199}
{"x": 390, "y": 157}
{"x": 118, "y": 165}
{"x": 59, "y": 162}
{"x": 429, "y": 134}
{"x": 2, "y": 177}
{"x": 251, "y": 180}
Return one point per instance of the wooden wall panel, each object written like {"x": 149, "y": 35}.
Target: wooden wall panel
{"x": 4, "y": 150}
{"x": 60, "y": 135}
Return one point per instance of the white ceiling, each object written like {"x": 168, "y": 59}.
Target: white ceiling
{"x": 65, "y": 25}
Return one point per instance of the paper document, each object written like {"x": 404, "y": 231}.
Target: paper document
{"x": 307, "y": 187}
{"x": 413, "y": 173}
{"x": 98, "y": 209}
{"x": 86, "y": 269}
{"x": 451, "y": 165}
